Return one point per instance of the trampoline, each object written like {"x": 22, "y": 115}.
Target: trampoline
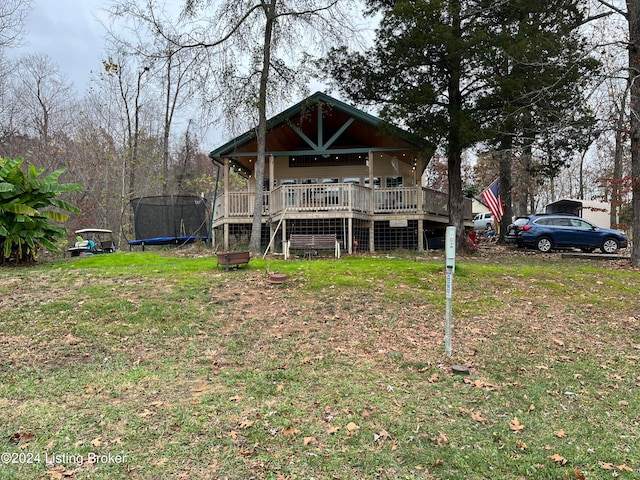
{"x": 175, "y": 220}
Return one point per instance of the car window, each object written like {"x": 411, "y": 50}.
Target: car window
{"x": 576, "y": 222}
{"x": 562, "y": 222}
{"x": 544, "y": 221}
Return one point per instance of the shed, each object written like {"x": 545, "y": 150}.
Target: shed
{"x": 593, "y": 211}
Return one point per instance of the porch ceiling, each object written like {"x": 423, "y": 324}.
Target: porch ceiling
{"x": 322, "y": 125}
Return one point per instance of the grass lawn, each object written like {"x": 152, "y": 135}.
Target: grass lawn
{"x": 156, "y": 366}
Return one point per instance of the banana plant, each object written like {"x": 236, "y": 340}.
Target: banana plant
{"x": 30, "y": 210}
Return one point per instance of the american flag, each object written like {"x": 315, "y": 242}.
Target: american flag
{"x": 492, "y": 198}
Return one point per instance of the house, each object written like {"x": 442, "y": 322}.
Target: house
{"x": 331, "y": 169}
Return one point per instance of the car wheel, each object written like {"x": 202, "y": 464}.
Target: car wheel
{"x": 544, "y": 244}
{"x": 610, "y": 245}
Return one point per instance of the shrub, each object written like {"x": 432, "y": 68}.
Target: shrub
{"x": 30, "y": 210}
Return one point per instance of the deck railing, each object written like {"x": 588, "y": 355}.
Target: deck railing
{"x": 337, "y": 197}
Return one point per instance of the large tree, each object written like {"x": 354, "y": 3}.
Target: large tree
{"x": 632, "y": 17}
{"x": 13, "y": 15}
{"x": 258, "y": 55}
{"x": 461, "y": 72}
{"x": 540, "y": 74}
{"x": 424, "y": 70}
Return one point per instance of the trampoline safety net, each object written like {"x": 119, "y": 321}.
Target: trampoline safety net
{"x": 174, "y": 216}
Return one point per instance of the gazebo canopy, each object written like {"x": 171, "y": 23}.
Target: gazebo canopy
{"x": 321, "y": 126}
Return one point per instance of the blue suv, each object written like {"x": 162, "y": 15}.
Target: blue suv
{"x": 557, "y": 231}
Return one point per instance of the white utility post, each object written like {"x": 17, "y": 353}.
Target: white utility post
{"x": 450, "y": 266}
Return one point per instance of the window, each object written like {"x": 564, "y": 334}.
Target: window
{"x": 354, "y": 180}
{"x": 376, "y": 182}
{"x": 580, "y": 223}
{"x": 393, "y": 182}
{"x": 331, "y": 194}
{"x": 309, "y": 181}
{"x": 291, "y": 198}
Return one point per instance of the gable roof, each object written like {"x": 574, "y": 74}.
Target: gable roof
{"x": 321, "y": 125}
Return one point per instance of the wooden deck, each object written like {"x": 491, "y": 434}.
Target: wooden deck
{"x": 338, "y": 200}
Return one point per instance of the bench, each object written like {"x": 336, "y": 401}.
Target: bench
{"x": 311, "y": 243}
{"x": 234, "y": 259}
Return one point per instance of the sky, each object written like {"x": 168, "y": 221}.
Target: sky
{"x": 69, "y": 32}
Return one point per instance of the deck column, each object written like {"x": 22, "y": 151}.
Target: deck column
{"x": 226, "y": 204}
{"x": 349, "y": 242}
{"x": 420, "y": 235}
{"x": 372, "y": 196}
{"x": 284, "y": 232}
{"x": 372, "y": 240}
{"x": 372, "y": 202}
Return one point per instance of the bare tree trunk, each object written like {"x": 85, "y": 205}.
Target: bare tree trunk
{"x": 505, "y": 185}
{"x": 256, "y": 228}
{"x": 617, "y": 163}
{"x": 526, "y": 203}
{"x": 136, "y": 139}
{"x": 633, "y": 12}
{"x": 166, "y": 129}
{"x": 454, "y": 154}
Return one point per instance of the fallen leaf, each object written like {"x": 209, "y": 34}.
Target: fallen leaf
{"x": 532, "y": 407}
{"x": 332, "y": 430}
{"x": 624, "y": 468}
{"x": 515, "y": 425}
{"x": 442, "y": 440}
{"x": 309, "y": 441}
{"x": 382, "y": 434}
{"x": 578, "y": 474}
{"x": 559, "y": 459}
{"x": 57, "y": 472}
{"x": 560, "y": 433}
{"x": 290, "y": 431}
{"x": 246, "y": 424}
{"x": 22, "y": 437}
{"x": 477, "y": 416}
{"x": 280, "y": 388}
{"x": 437, "y": 463}
{"x": 480, "y": 384}
{"x": 434, "y": 378}
{"x": 606, "y": 465}
{"x": 96, "y": 442}
{"x": 352, "y": 427}
{"x": 521, "y": 445}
